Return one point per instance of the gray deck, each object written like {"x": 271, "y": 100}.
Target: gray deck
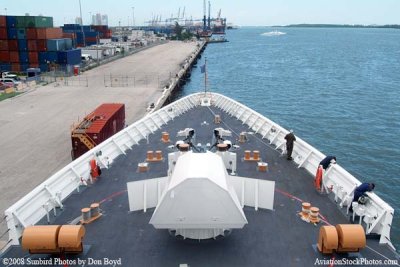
{"x": 271, "y": 238}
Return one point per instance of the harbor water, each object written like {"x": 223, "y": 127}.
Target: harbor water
{"x": 337, "y": 88}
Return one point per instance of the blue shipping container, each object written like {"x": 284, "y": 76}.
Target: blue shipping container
{"x": 24, "y": 67}
{"x": 23, "y": 57}
{"x": 91, "y": 34}
{"x": 5, "y": 67}
{"x": 86, "y": 28}
{"x": 11, "y": 21}
{"x": 22, "y": 45}
{"x": 70, "y": 57}
{"x": 12, "y": 33}
{"x": 55, "y": 44}
{"x": 47, "y": 57}
{"x": 21, "y": 33}
{"x": 44, "y": 67}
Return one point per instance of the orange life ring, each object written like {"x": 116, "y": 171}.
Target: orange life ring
{"x": 318, "y": 178}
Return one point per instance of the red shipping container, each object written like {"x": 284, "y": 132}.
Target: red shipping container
{"x": 3, "y": 33}
{"x": 4, "y": 56}
{"x": 14, "y": 57}
{"x": 33, "y": 57}
{"x": 16, "y": 67}
{"x": 49, "y": 33}
{"x": 3, "y": 22}
{"x": 32, "y": 45}
{"x": 3, "y": 45}
{"x": 41, "y": 45}
{"x": 34, "y": 65}
{"x": 13, "y": 45}
{"x": 31, "y": 34}
{"x": 105, "y": 121}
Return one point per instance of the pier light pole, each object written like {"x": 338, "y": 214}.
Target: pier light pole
{"x": 83, "y": 33}
{"x": 133, "y": 16}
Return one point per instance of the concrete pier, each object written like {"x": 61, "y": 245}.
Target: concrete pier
{"x": 35, "y": 128}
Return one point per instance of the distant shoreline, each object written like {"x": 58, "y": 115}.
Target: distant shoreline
{"x": 388, "y": 26}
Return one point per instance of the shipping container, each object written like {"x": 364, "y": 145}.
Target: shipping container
{"x": 44, "y": 67}
{"x": 49, "y": 33}
{"x": 3, "y": 33}
{"x": 13, "y": 45}
{"x": 34, "y": 22}
{"x": 70, "y": 57}
{"x": 48, "y": 57}
{"x": 11, "y": 21}
{"x": 3, "y": 45}
{"x": 31, "y": 34}
{"x": 68, "y": 44}
{"x": 12, "y": 33}
{"x": 101, "y": 124}
{"x": 70, "y": 35}
{"x": 15, "y": 67}
{"x": 33, "y": 57}
{"x": 20, "y": 22}
{"x": 5, "y": 66}
{"x": 14, "y": 57}
{"x": 91, "y": 34}
{"x": 71, "y": 27}
{"x": 3, "y": 21}
{"x": 43, "y": 22}
{"x": 22, "y": 45}
{"x": 32, "y": 45}
{"x": 4, "y": 56}
{"x": 24, "y": 67}
{"x": 21, "y": 33}
{"x": 55, "y": 44}
{"x": 33, "y": 65}
{"x": 41, "y": 45}
{"x": 23, "y": 57}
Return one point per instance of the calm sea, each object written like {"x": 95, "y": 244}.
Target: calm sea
{"x": 338, "y": 89}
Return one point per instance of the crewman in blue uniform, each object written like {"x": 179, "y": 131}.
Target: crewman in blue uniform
{"x": 361, "y": 190}
{"x": 290, "y": 138}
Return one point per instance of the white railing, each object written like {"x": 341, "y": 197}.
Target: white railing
{"x": 306, "y": 156}
{"x": 51, "y": 193}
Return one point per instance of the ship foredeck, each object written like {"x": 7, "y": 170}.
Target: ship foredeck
{"x": 274, "y": 238}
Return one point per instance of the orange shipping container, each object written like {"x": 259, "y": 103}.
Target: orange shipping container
{"x": 49, "y": 33}
{"x": 70, "y": 35}
{"x": 14, "y": 57}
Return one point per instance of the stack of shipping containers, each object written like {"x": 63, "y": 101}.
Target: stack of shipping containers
{"x": 87, "y": 35}
{"x": 33, "y": 42}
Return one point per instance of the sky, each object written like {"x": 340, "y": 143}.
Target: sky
{"x": 238, "y": 12}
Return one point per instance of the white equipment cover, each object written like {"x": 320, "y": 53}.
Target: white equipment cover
{"x": 199, "y": 195}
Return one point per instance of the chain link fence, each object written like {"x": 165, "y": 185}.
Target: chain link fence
{"x": 138, "y": 80}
